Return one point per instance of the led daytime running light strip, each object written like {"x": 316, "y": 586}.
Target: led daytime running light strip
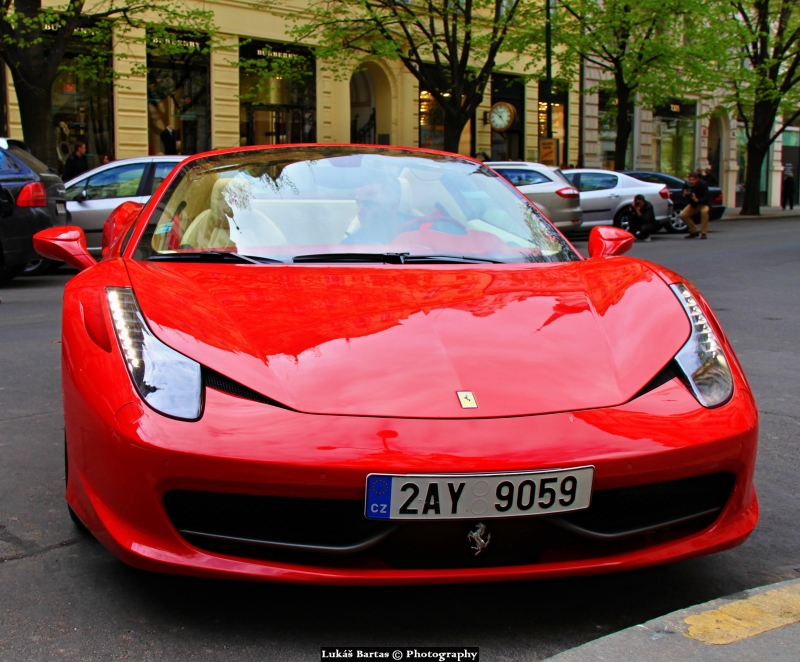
{"x": 125, "y": 314}
{"x": 702, "y": 358}
{"x": 707, "y": 339}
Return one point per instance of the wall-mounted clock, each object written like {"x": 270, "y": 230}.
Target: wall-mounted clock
{"x": 502, "y": 115}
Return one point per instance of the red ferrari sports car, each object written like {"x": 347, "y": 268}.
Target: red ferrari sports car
{"x": 365, "y": 365}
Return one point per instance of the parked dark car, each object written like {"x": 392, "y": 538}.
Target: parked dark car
{"x": 32, "y": 199}
{"x": 675, "y": 186}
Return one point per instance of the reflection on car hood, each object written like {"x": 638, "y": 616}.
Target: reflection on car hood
{"x": 401, "y": 341}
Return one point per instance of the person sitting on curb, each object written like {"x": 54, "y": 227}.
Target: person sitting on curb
{"x": 697, "y": 191}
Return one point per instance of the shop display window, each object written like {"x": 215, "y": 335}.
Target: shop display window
{"x": 277, "y": 93}
{"x": 178, "y": 95}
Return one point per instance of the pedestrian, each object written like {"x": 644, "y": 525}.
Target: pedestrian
{"x": 787, "y": 191}
{"x": 169, "y": 140}
{"x": 643, "y": 219}
{"x": 710, "y": 178}
{"x": 76, "y": 163}
{"x": 107, "y": 158}
{"x": 696, "y": 192}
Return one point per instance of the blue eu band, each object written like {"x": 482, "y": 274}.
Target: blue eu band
{"x": 379, "y": 497}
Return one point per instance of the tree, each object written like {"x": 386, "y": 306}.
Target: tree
{"x": 450, "y": 46}
{"x": 761, "y": 78}
{"x": 650, "y": 50}
{"x": 34, "y": 40}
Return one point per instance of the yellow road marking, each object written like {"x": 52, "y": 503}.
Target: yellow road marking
{"x": 743, "y": 619}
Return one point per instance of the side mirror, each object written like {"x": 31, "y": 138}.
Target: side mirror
{"x": 605, "y": 241}
{"x": 65, "y": 243}
{"x": 82, "y": 196}
{"x": 118, "y": 223}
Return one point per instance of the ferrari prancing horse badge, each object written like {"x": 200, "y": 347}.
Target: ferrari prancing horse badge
{"x": 467, "y": 400}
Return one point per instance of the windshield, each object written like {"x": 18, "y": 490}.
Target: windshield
{"x": 319, "y": 204}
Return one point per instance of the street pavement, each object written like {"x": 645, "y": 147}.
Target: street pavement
{"x": 63, "y": 597}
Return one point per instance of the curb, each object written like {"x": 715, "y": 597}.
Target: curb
{"x": 666, "y": 637}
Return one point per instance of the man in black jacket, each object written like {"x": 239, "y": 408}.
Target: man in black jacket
{"x": 76, "y": 163}
{"x": 642, "y": 219}
{"x": 169, "y": 140}
{"x": 696, "y": 190}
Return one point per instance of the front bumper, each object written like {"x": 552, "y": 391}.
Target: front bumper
{"x": 123, "y": 460}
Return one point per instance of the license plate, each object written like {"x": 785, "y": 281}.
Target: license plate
{"x": 61, "y": 208}
{"x": 478, "y": 496}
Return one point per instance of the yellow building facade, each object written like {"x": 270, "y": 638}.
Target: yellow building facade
{"x": 210, "y": 107}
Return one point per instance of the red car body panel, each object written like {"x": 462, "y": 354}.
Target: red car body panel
{"x": 499, "y": 331}
{"x": 370, "y": 357}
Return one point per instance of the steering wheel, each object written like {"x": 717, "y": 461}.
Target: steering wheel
{"x": 417, "y": 223}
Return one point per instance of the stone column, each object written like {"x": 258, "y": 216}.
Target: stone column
{"x": 333, "y": 106}
{"x": 224, "y": 94}
{"x": 532, "y": 120}
{"x": 130, "y": 97}
{"x": 591, "y": 119}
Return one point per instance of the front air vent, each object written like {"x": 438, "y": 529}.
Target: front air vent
{"x": 225, "y": 384}
{"x": 666, "y": 374}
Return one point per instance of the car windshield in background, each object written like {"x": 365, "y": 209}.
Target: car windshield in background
{"x": 346, "y": 205}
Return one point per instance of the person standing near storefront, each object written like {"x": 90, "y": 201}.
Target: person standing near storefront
{"x": 76, "y": 163}
{"x": 787, "y": 191}
{"x": 169, "y": 141}
{"x": 696, "y": 191}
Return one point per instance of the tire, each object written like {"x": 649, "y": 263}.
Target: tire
{"x": 621, "y": 219}
{"x": 41, "y": 267}
{"x": 7, "y": 274}
{"x": 675, "y": 225}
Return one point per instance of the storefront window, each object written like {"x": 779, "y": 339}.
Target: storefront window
{"x": 431, "y": 122}
{"x": 675, "y": 129}
{"x": 509, "y": 144}
{"x": 560, "y": 100}
{"x": 278, "y": 95}
{"x": 741, "y": 158}
{"x": 607, "y": 109}
{"x": 178, "y": 96}
{"x": 82, "y": 112}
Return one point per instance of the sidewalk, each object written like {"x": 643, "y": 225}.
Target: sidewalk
{"x": 767, "y": 213}
{"x": 758, "y": 624}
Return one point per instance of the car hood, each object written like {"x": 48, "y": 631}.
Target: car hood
{"x": 400, "y": 341}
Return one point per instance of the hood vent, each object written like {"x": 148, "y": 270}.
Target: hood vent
{"x": 666, "y": 374}
{"x": 218, "y": 382}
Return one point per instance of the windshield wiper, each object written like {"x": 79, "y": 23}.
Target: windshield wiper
{"x": 391, "y": 258}
{"x": 449, "y": 259}
{"x": 213, "y": 256}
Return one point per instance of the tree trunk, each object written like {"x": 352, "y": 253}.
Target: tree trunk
{"x": 453, "y": 128}
{"x": 35, "y": 98}
{"x": 624, "y": 125}
{"x": 757, "y": 148}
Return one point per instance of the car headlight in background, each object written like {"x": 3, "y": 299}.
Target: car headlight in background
{"x": 701, "y": 358}
{"x": 168, "y": 381}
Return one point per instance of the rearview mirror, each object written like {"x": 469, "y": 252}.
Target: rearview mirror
{"x": 605, "y": 241}
{"x": 82, "y": 196}
{"x": 65, "y": 243}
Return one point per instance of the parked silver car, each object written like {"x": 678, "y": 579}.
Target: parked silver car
{"x": 607, "y": 196}
{"x": 548, "y": 188}
{"x": 95, "y": 194}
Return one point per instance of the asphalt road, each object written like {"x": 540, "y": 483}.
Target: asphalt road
{"x": 63, "y": 597}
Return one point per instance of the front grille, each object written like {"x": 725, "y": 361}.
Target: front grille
{"x": 333, "y": 533}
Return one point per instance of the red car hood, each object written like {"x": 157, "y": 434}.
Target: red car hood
{"x": 400, "y": 341}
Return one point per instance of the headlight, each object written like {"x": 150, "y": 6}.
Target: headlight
{"x": 701, "y": 358}
{"x": 168, "y": 381}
